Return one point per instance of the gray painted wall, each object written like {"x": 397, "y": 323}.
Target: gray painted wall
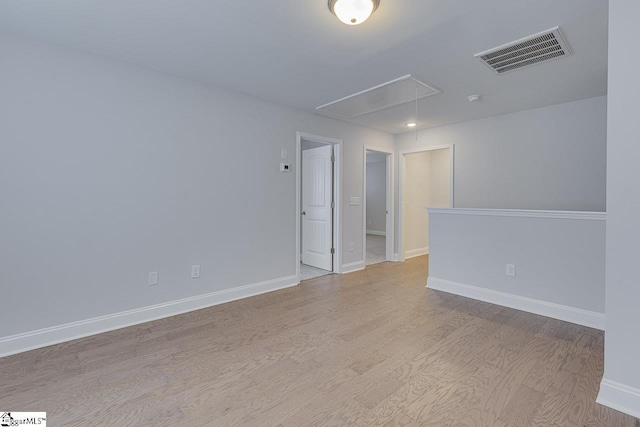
{"x": 550, "y": 158}
{"x": 110, "y": 171}
{"x": 622, "y": 345}
{"x": 561, "y": 261}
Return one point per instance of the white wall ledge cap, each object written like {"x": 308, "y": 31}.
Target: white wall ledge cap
{"x": 583, "y": 215}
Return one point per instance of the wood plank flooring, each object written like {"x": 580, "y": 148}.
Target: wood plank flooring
{"x": 372, "y": 348}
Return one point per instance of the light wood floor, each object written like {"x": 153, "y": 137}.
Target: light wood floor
{"x": 373, "y": 348}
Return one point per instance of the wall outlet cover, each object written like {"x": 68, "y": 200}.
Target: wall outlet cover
{"x": 153, "y": 278}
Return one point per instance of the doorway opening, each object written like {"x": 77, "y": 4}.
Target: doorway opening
{"x": 426, "y": 180}
{"x": 377, "y": 208}
{"x": 318, "y": 247}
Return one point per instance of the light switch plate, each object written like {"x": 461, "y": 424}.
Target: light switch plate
{"x": 511, "y": 270}
{"x": 195, "y": 271}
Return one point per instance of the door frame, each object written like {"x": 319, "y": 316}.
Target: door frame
{"x": 337, "y": 197}
{"x": 390, "y": 219}
{"x": 403, "y": 164}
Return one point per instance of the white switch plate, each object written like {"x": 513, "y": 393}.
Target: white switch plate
{"x": 153, "y": 278}
{"x": 284, "y": 154}
{"x": 195, "y": 271}
{"x": 354, "y": 201}
{"x": 350, "y": 247}
{"x": 511, "y": 270}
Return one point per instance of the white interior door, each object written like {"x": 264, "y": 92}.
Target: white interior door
{"x": 317, "y": 211}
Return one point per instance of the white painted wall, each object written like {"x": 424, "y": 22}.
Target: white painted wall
{"x": 110, "y": 171}
{"x": 620, "y": 386}
{"x": 416, "y": 195}
{"x": 426, "y": 183}
{"x": 377, "y": 196}
{"x": 558, "y": 260}
{"x": 440, "y": 178}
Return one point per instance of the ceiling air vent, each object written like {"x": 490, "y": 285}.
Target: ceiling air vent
{"x": 525, "y": 52}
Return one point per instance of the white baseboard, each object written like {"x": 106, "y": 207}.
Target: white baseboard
{"x": 416, "y": 252}
{"x": 377, "y": 233}
{"x": 579, "y": 316}
{"x": 620, "y": 397}
{"x": 353, "y": 266}
{"x": 53, "y": 335}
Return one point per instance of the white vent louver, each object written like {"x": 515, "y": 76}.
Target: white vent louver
{"x": 525, "y": 52}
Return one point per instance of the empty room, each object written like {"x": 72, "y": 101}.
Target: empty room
{"x": 319, "y": 213}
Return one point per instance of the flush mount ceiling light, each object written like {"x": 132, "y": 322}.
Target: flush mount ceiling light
{"x": 353, "y": 12}
{"x": 411, "y": 124}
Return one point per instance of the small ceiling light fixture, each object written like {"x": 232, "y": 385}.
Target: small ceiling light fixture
{"x": 474, "y": 98}
{"x": 411, "y": 124}
{"x": 353, "y": 12}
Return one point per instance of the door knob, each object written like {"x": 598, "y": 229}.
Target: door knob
{"x": 304, "y": 213}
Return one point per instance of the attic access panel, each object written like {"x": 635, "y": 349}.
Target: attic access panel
{"x": 387, "y": 95}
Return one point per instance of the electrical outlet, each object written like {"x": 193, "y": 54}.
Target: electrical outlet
{"x": 153, "y": 278}
{"x": 511, "y": 270}
{"x": 195, "y": 271}
{"x": 351, "y": 247}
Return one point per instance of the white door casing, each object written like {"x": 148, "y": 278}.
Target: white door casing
{"x": 317, "y": 211}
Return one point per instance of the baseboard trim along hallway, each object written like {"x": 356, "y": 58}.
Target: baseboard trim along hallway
{"x": 352, "y": 267}
{"x": 53, "y": 335}
{"x": 619, "y": 397}
{"x": 578, "y": 316}
{"x": 416, "y": 252}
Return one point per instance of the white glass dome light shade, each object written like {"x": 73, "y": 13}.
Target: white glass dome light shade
{"x": 353, "y": 12}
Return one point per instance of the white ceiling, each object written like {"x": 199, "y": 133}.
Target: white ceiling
{"x": 296, "y": 53}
